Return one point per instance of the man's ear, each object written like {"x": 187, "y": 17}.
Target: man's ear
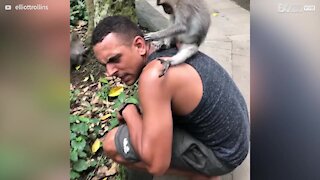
{"x": 140, "y": 44}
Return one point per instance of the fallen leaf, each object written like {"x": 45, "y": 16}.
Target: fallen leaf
{"x": 82, "y": 23}
{"x": 85, "y": 103}
{"x": 85, "y": 89}
{"x": 95, "y": 109}
{"x": 109, "y": 77}
{"x": 86, "y": 79}
{"x": 116, "y": 91}
{"x": 92, "y": 78}
{"x": 95, "y": 146}
{"x": 101, "y": 171}
{"x": 105, "y": 117}
{"x": 112, "y": 170}
{"x": 95, "y": 100}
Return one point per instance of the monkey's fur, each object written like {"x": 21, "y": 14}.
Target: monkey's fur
{"x": 77, "y": 50}
{"x": 190, "y": 21}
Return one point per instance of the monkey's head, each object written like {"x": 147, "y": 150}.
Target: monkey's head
{"x": 167, "y": 5}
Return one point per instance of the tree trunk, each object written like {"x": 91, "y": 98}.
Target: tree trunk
{"x": 90, "y": 11}
{"x": 99, "y": 9}
{"x": 103, "y": 8}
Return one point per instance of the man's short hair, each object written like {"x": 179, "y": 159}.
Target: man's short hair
{"x": 115, "y": 24}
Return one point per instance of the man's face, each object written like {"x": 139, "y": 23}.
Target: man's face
{"x": 122, "y": 60}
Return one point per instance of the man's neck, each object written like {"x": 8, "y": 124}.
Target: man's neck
{"x": 150, "y": 50}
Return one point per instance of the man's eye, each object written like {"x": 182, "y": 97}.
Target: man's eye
{"x": 115, "y": 59}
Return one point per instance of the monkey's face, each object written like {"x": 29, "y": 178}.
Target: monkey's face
{"x": 167, "y": 8}
{"x": 124, "y": 60}
{"x": 166, "y": 5}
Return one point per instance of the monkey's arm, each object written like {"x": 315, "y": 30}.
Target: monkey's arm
{"x": 172, "y": 30}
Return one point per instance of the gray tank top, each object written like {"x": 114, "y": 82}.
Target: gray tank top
{"x": 221, "y": 119}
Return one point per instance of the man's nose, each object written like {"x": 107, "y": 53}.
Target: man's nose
{"x": 111, "y": 69}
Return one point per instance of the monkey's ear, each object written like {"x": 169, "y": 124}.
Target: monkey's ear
{"x": 140, "y": 44}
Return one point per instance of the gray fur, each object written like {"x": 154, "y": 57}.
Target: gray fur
{"x": 76, "y": 50}
{"x": 190, "y": 24}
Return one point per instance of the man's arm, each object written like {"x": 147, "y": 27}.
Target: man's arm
{"x": 151, "y": 135}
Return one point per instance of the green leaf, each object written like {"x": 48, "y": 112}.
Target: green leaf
{"x": 84, "y": 119}
{"x": 132, "y": 100}
{"x": 76, "y": 92}
{"x": 74, "y": 175}
{"x": 97, "y": 129}
{"x": 80, "y": 128}
{"x": 114, "y": 114}
{"x": 80, "y": 165}
{"x": 93, "y": 163}
{"x": 72, "y": 118}
{"x": 103, "y": 80}
{"x": 122, "y": 97}
{"x": 113, "y": 123}
{"x": 74, "y": 156}
{"x": 117, "y": 104}
{"x": 79, "y": 139}
{"x": 94, "y": 120}
{"x": 82, "y": 154}
{"x": 78, "y": 145}
{"x": 72, "y": 135}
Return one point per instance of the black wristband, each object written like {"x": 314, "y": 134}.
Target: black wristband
{"x": 121, "y": 108}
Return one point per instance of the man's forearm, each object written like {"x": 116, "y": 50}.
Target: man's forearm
{"x": 134, "y": 123}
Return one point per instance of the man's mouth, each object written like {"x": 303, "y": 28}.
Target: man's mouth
{"x": 124, "y": 78}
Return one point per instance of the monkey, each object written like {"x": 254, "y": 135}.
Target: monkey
{"x": 77, "y": 50}
{"x": 189, "y": 24}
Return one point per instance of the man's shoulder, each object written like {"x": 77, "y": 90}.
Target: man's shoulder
{"x": 176, "y": 76}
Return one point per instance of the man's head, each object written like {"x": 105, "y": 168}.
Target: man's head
{"x": 119, "y": 44}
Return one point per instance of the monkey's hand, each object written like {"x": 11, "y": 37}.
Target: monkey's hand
{"x": 166, "y": 64}
{"x": 151, "y": 36}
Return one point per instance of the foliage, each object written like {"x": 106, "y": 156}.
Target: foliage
{"x": 80, "y": 154}
{"x": 85, "y": 132}
{"x": 73, "y": 95}
{"x": 93, "y": 108}
{"x": 124, "y": 8}
{"x": 77, "y": 11}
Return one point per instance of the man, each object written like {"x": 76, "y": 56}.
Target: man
{"x": 194, "y": 120}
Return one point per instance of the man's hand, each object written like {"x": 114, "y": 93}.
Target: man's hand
{"x": 127, "y": 110}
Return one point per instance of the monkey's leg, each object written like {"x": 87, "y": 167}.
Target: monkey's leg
{"x": 166, "y": 64}
{"x": 168, "y": 42}
{"x": 172, "y": 30}
{"x": 185, "y": 51}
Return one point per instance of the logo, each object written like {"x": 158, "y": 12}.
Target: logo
{"x": 7, "y": 7}
{"x": 126, "y": 148}
{"x": 295, "y": 8}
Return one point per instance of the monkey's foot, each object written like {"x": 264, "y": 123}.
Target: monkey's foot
{"x": 158, "y": 45}
{"x": 166, "y": 64}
